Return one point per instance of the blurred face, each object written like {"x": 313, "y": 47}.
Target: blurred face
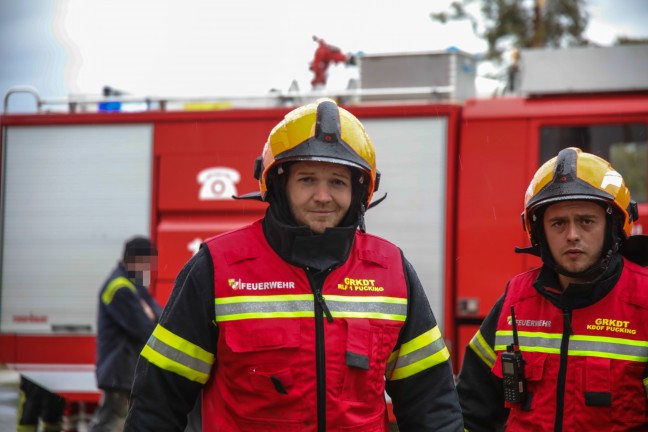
{"x": 575, "y": 232}
{"x": 319, "y": 194}
{"x": 141, "y": 268}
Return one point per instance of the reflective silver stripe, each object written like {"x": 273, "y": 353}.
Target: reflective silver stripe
{"x": 302, "y": 305}
{"x": 540, "y": 341}
{"x": 415, "y": 356}
{"x": 625, "y": 349}
{"x": 423, "y": 352}
{"x": 178, "y": 356}
{"x": 342, "y": 307}
{"x": 223, "y": 310}
{"x": 482, "y": 349}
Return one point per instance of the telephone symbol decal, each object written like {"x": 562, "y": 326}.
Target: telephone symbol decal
{"x": 218, "y": 183}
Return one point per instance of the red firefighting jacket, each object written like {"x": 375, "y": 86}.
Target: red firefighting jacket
{"x": 300, "y": 344}
{"x": 273, "y": 320}
{"x": 585, "y": 368}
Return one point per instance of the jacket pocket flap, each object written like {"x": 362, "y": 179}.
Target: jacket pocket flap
{"x": 260, "y": 336}
{"x": 534, "y": 368}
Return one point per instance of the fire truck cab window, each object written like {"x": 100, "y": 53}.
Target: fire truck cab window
{"x": 624, "y": 145}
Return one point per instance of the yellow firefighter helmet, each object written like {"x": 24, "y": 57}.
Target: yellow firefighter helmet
{"x": 576, "y": 175}
{"x": 323, "y": 132}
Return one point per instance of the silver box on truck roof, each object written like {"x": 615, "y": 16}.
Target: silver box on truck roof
{"x": 584, "y": 70}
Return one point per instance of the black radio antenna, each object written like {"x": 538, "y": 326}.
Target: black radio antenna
{"x": 516, "y": 341}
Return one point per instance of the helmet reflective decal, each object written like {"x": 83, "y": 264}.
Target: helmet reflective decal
{"x": 612, "y": 178}
{"x": 576, "y": 175}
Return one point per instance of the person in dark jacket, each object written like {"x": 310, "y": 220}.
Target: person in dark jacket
{"x": 301, "y": 320}
{"x": 38, "y": 407}
{"x": 127, "y": 316}
{"x": 579, "y": 361}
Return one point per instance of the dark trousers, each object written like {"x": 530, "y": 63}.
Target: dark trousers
{"x": 36, "y": 404}
{"x": 111, "y": 414}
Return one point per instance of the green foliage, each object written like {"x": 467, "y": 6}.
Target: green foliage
{"x": 624, "y": 40}
{"x": 630, "y": 159}
{"x": 519, "y": 24}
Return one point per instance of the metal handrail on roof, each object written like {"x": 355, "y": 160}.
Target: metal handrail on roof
{"x": 81, "y": 103}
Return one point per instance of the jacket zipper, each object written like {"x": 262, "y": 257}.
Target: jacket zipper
{"x": 321, "y": 310}
{"x": 562, "y": 372}
{"x": 320, "y": 300}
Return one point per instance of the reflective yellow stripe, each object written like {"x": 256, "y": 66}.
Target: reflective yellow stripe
{"x": 292, "y": 297}
{"x": 375, "y": 307}
{"x": 113, "y": 286}
{"x": 508, "y": 334}
{"x": 272, "y": 306}
{"x": 416, "y": 343}
{"x": 420, "y": 341}
{"x": 172, "y": 366}
{"x": 302, "y": 306}
{"x": 479, "y": 345}
{"x": 391, "y": 360}
{"x": 263, "y": 299}
{"x": 645, "y": 383}
{"x": 368, "y": 299}
{"x": 414, "y": 368}
{"x": 421, "y": 353}
{"x": 22, "y": 399}
{"x": 253, "y": 315}
{"x": 585, "y": 353}
{"x": 373, "y": 315}
{"x": 182, "y": 345}
{"x": 579, "y": 345}
{"x": 170, "y": 352}
{"x": 51, "y": 426}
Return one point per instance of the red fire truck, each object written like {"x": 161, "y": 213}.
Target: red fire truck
{"x": 75, "y": 184}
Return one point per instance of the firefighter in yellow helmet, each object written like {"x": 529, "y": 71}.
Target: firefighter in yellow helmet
{"x": 301, "y": 320}
{"x": 566, "y": 347}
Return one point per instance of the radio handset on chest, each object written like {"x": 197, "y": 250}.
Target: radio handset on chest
{"x": 513, "y": 370}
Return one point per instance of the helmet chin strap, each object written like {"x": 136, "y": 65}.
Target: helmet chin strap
{"x": 361, "y": 220}
{"x": 589, "y": 274}
{"x": 611, "y": 246}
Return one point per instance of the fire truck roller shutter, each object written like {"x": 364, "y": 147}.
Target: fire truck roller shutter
{"x": 72, "y": 195}
{"x": 413, "y": 174}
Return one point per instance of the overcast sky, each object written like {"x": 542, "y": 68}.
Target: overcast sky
{"x": 217, "y": 47}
